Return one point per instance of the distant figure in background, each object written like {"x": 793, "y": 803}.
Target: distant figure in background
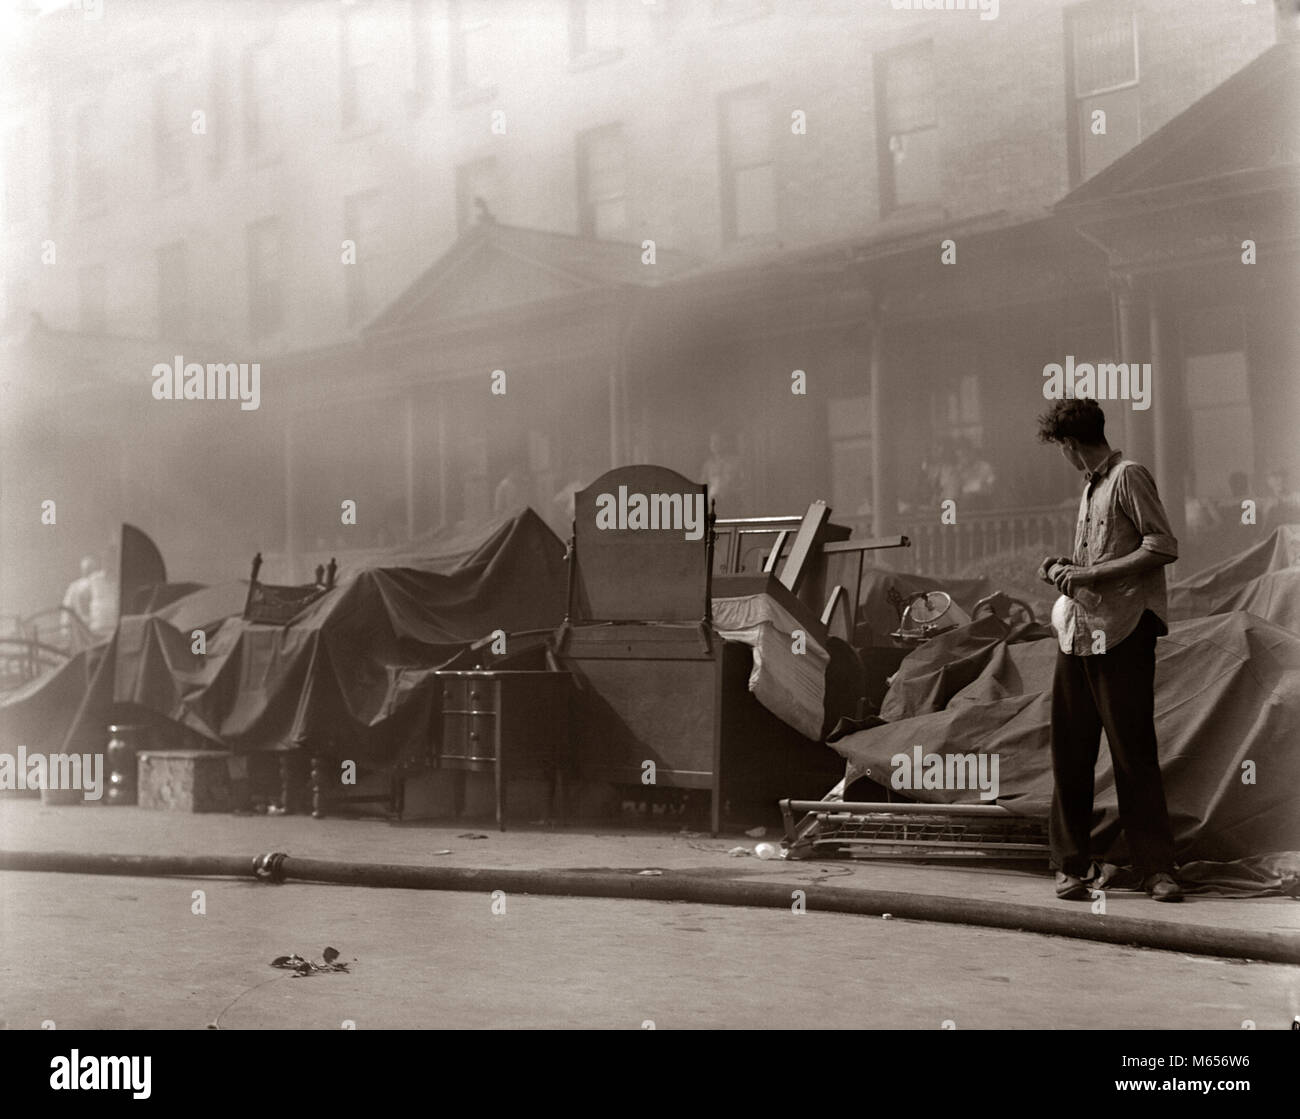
{"x": 724, "y": 473}
{"x": 93, "y": 598}
{"x": 562, "y": 504}
{"x": 936, "y": 474}
{"x": 511, "y": 494}
{"x": 1230, "y": 510}
{"x": 1281, "y": 505}
{"x": 975, "y": 478}
{"x": 1201, "y": 516}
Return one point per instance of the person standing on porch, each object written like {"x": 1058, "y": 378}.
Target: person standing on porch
{"x": 1114, "y": 609}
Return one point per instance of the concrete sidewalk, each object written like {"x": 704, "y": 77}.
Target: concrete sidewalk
{"x": 28, "y": 825}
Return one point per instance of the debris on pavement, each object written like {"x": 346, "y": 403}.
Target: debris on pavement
{"x": 301, "y": 966}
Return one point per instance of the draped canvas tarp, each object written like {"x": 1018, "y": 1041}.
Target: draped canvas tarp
{"x": 1263, "y": 579}
{"x": 353, "y": 672}
{"x": 1227, "y": 716}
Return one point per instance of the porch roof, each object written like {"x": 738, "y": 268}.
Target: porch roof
{"x": 1225, "y": 170}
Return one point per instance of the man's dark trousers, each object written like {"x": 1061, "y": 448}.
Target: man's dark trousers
{"x": 1114, "y": 690}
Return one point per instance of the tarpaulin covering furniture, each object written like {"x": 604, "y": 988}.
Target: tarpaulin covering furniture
{"x": 355, "y": 669}
{"x": 1263, "y": 580}
{"x": 1227, "y": 715}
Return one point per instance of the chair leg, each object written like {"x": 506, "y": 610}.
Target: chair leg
{"x": 318, "y": 794}
{"x": 501, "y": 794}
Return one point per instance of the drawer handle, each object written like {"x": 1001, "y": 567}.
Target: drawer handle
{"x": 473, "y": 735}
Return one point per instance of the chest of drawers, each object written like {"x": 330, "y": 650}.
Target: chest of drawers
{"x": 510, "y": 723}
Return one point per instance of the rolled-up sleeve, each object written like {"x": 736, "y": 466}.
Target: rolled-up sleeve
{"x": 1138, "y": 498}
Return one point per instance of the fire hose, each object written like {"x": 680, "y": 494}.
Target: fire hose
{"x": 1079, "y": 923}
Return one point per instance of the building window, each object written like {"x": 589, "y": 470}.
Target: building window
{"x": 261, "y": 103}
{"x": 848, "y": 429}
{"x": 1102, "y": 58}
{"x": 57, "y": 180}
{"x": 421, "y": 51}
{"x": 90, "y": 299}
{"x": 15, "y": 173}
{"x": 471, "y": 59}
{"x": 955, "y": 411}
{"x": 265, "y": 295}
{"x": 362, "y": 227}
{"x": 593, "y": 29}
{"x": 478, "y": 192}
{"x": 1220, "y": 417}
{"x": 363, "y": 77}
{"x": 602, "y": 183}
{"x": 218, "y": 110}
{"x": 173, "y": 291}
{"x": 748, "y": 172}
{"x": 171, "y": 125}
{"x": 88, "y": 154}
{"x": 906, "y": 127}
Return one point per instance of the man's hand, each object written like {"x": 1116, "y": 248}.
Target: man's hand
{"x": 1068, "y": 578}
{"x": 1045, "y": 568}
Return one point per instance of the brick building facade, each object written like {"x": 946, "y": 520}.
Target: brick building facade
{"x": 796, "y": 164}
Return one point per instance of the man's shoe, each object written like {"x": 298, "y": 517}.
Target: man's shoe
{"x": 1071, "y": 888}
{"x": 1162, "y": 887}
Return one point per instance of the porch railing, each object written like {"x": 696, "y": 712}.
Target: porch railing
{"x": 943, "y": 549}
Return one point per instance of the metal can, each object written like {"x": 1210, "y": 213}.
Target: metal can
{"x": 123, "y": 745}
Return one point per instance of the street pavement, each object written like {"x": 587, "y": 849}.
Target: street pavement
{"x": 117, "y": 952}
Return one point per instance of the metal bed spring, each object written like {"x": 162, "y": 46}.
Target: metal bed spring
{"x": 865, "y": 829}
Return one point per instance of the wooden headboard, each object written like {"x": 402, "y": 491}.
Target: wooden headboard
{"x": 642, "y": 548}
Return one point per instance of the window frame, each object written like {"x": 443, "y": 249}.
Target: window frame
{"x": 100, "y": 324}
{"x": 89, "y": 161}
{"x": 1074, "y": 137}
{"x": 260, "y": 324}
{"x": 587, "y": 221}
{"x": 169, "y": 141}
{"x": 887, "y": 183}
{"x": 358, "y": 295}
{"x": 582, "y": 54}
{"x": 465, "y": 90}
{"x": 424, "y": 71}
{"x": 259, "y": 148}
{"x": 349, "y": 87}
{"x": 730, "y": 168}
{"x": 180, "y": 329}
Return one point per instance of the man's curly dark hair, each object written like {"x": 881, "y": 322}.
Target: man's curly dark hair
{"x": 1080, "y": 419}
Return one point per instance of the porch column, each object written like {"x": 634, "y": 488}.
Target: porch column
{"x": 884, "y": 488}
{"x": 290, "y": 502}
{"x": 1133, "y": 345}
{"x": 444, "y": 465}
{"x": 615, "y": 412}
{"x": 408, "y": 460}
{"x": 1170, "y": 463}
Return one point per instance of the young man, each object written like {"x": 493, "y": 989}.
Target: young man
{"x": 1105, "y": 670}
